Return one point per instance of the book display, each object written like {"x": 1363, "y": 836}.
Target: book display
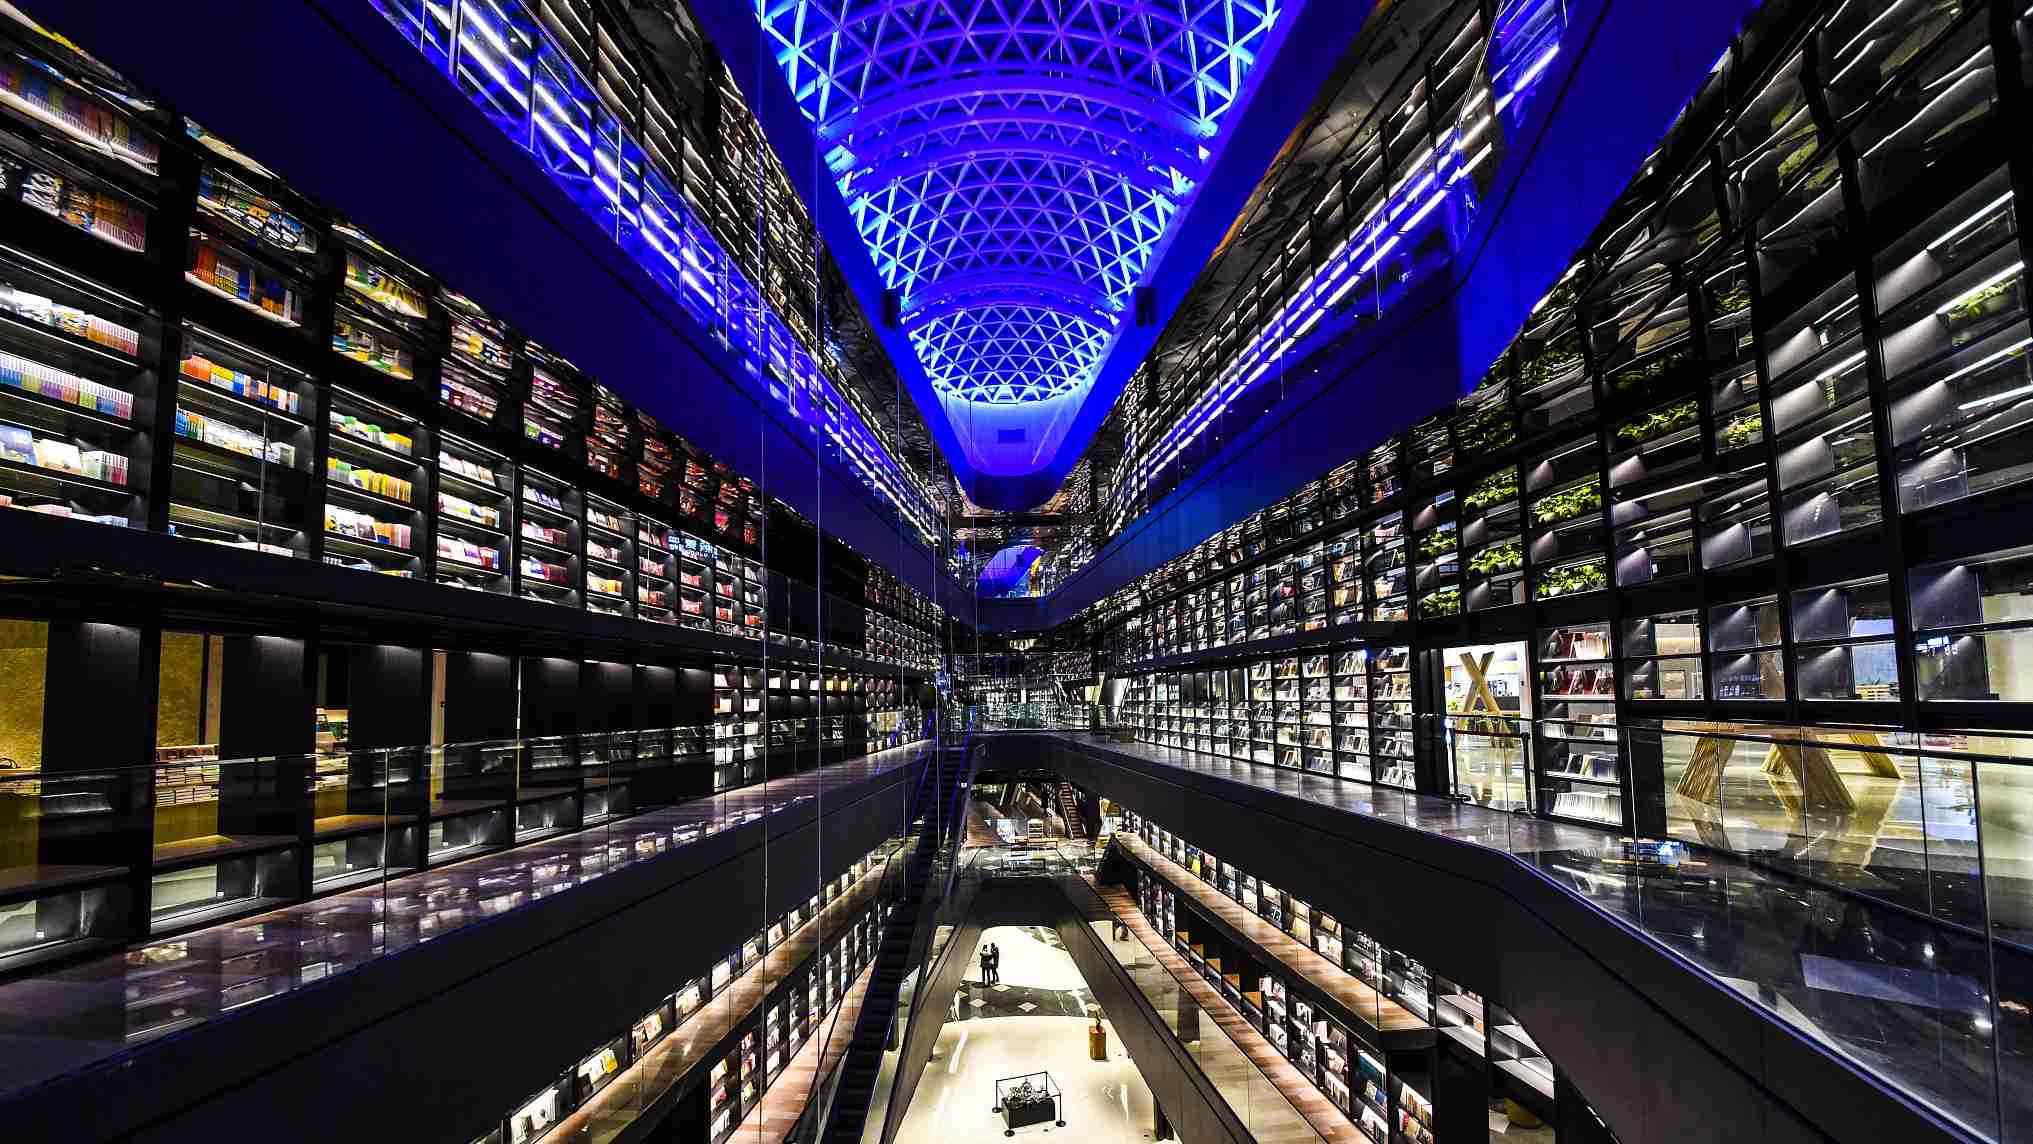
{"x": 780, "y": 1017}
{"x": 1377, "y": 1075}
{"x": 287, "y": 405}
{"x": 476, "y": 513}
{"x": 547, "y": 538}
{"x": 77, "y": 379}
{"x": 241, "y": 458}
{"x": 1689, "y": 483}
{"x": 610, "y": 582}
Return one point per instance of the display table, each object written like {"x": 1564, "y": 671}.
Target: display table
{"x": 1027, "y": 1100}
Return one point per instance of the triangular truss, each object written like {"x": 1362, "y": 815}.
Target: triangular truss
{"x": 1013, "y": 164}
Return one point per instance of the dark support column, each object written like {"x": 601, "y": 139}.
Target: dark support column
{"x": 267, "y": 731}
{"x": 388, "y": 695}
{"x": 97, "y": 741}
{"x": 388, "y": 709}
{"x": 479, "y": 697}
{"x": 548, "y": 796}
{"x": 1460, "y": 1099}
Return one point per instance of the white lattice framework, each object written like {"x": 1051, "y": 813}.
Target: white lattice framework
{"x": 1013, "y": 164}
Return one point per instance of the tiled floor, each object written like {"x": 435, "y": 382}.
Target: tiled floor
{"x": 79, "y": 1015}
{"x": 1103, "y": 1102}
{"x": 1904, "y": 996}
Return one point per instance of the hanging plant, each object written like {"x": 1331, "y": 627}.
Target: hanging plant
{"x": 1658, "y": 423}
{"x": 1494, "y": 489}
{"x": 1553, "y": 361}
{"x": 1505, "y": 557}
{"x": 1567, "y": 505}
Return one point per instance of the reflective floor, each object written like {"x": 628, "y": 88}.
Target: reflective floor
{"x": 66, "y": 1019}
{"x": 1907, "y": 997}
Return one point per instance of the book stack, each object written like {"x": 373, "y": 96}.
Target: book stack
{"x": 368, "y": 480}
{"x": 199, "y": 368}
{"x": 46, "y": 381}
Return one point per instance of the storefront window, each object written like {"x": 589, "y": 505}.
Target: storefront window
{"x": 1488, "y": 729}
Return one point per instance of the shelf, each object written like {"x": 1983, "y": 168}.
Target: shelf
{"x": 213, "y": 847}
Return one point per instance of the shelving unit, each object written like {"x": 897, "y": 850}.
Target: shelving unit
{"x": 1783, "y": 363}
{"x": 547, "y": 538}
{"x": 242, "y": 451}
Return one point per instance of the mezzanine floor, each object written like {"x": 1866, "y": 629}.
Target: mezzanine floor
{"x": 1903, "y": 996}
{"x": 83, "y": 1014}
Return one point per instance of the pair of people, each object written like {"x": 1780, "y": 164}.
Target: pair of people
{"x": 991, "y": 964}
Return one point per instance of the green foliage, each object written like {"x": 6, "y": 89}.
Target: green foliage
{"x": 1494, "y": 489}
{"x": 1978, "y": 305}
{"x": 1658, "y": 422}
{"x": 1490, "y": 430}
{"x": 1567, "y": 505}
{"x": 1798, "y": 158}
{"x": 1741, "y": 431}
{"x": 1573, "y": 578}
{"x": 1440, "y": 602}
{"x": 1436, "y": 543}
{"x": 1557, "y": 358}
{"x": 1504, "y": 557}
{"x": 1637, "y": 375}
{"x": 1733, "y": 299}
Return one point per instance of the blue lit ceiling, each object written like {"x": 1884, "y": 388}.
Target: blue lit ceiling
{"x": 1014, "y": 168}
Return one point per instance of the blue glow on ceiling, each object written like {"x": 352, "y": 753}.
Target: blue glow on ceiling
{"x": 1015, "y": 165}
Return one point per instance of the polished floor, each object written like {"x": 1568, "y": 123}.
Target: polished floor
{"x": 1104, "y": 1102}
{"x": 87, "y": 1013}
{"x": 1906, "y": 996}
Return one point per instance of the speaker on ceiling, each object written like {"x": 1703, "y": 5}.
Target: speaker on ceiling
{"x": 892, "y": 309}
{"x": 1146, "y": 306}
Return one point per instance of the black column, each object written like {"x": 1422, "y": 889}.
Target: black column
{"x": 97, "y": 804}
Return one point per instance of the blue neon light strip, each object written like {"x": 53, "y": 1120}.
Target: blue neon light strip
{"x": 510, "y": 68}
{"x": 1527, "y": 42}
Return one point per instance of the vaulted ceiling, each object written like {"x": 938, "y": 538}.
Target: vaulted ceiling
{"x": 1015, "y": 169}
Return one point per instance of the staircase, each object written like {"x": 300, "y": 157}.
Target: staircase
{"x": 944, "y": 791}
{"x": 1069, "y": 807}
